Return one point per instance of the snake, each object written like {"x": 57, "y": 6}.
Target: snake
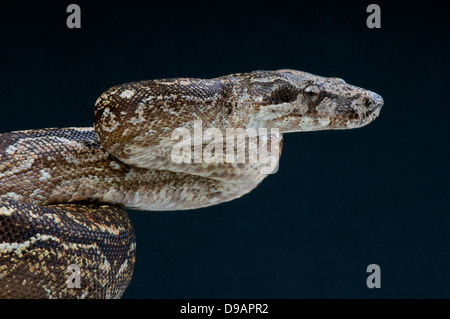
{"x": 64, "y": 229}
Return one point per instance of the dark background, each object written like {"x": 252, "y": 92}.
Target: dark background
{"x": 340, "y": 201}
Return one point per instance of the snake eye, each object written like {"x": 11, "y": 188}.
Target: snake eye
{"x": 312, "y": 93}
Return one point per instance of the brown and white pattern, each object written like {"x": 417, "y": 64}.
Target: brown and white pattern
{"x": 62, "y": 189}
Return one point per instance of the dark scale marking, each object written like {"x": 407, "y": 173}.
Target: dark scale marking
{"x": 67, "y": 228}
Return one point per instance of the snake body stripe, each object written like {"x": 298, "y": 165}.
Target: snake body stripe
{"x": 63, "y": 190}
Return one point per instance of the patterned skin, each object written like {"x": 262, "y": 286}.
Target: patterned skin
{"x": 62, "y": 189}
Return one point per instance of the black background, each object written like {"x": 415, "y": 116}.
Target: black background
{"x": 340, "y": 201}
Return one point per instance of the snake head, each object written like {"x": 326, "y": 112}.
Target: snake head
{"x": 298, "y": 101}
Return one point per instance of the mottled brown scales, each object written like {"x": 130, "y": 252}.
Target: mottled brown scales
{"x": 37, "y": 244}
{"x": 61, "y": 188}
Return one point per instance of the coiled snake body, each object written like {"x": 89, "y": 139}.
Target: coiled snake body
{"x": 63, "y": 190}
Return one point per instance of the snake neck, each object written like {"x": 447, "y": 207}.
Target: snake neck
{"x": 54, "y": 166}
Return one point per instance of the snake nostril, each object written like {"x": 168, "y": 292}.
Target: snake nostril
{"x": 373, "y": 101}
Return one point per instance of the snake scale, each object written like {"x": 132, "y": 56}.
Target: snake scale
{"x": 63, "y": 191}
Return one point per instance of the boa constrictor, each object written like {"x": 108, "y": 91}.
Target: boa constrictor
{"x": 63, "y": 190}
